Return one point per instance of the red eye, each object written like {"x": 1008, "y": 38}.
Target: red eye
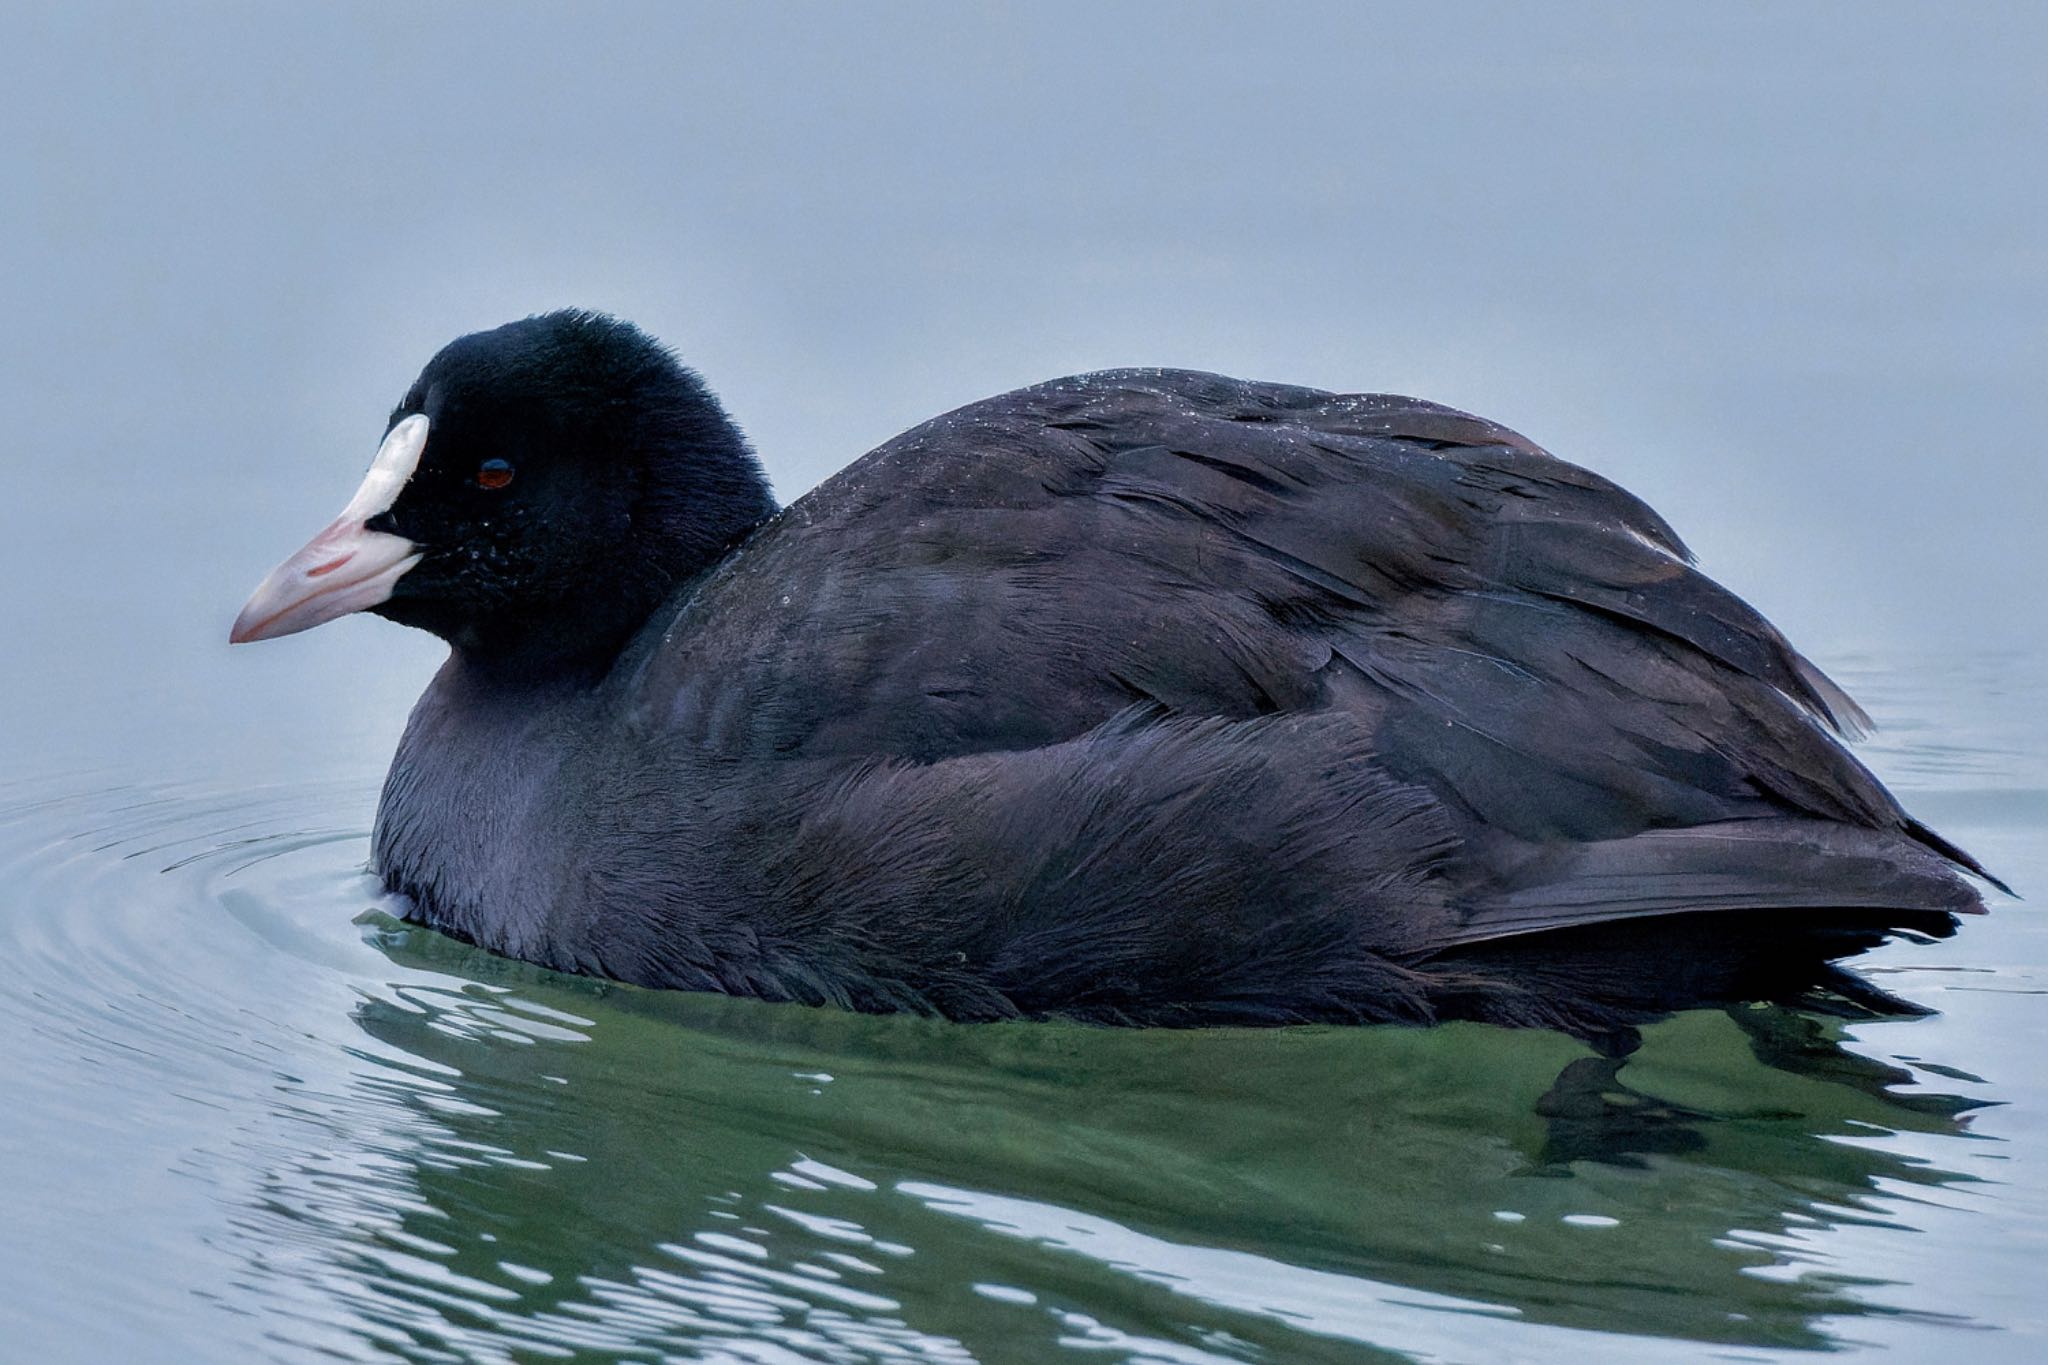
{"x": 493, "y": 474}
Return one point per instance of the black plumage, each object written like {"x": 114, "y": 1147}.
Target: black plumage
{"x": 1144, "y": 696}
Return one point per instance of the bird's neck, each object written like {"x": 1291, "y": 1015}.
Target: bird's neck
{"x": 545, "y": 651}
{"x": 577, "y": 640}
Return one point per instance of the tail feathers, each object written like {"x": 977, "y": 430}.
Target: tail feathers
{"x": 1784, "y": 866}
{"x": 1954, "y": 854}
{"x": 1609, "y": 935}
{"x": 1598, "y": 980}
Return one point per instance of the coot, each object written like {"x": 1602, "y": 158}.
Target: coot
{"x": 1144, "y": 697}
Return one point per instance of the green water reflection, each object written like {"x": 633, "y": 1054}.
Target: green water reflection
{"x": 610, "y": 1170}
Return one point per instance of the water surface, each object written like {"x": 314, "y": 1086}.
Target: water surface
{"x": 250, "y": 1113}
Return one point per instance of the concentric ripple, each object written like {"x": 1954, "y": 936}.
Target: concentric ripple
{"x": 249, "y": 1115}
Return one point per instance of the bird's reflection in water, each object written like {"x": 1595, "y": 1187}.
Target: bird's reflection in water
{"x": 593, "y": 1168}
{"x": 1594, "y": 1114}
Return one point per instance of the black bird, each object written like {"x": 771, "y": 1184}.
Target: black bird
{"x": 1143, "y": 697}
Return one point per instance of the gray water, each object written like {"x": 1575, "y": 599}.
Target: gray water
{"x": 1778, "y": 269}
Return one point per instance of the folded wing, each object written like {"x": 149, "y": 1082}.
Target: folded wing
{"x": 1608, "y": 734}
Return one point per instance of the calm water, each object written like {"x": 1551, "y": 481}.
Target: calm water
{"x": 249, "y": 1113}
{"x": 1777, "y": 268}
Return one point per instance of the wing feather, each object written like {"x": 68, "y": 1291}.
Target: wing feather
{"x": 1522, "y": 640}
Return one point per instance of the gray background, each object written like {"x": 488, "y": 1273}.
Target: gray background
{"x": 1780, "y": 269}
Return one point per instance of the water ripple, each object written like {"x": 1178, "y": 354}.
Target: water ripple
{"x": 262, "y": 1119}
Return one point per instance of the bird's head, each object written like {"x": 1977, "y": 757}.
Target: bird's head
{"x": 539, "y": 490}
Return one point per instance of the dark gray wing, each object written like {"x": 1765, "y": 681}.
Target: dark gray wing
{"x": 1608, "y": 731}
